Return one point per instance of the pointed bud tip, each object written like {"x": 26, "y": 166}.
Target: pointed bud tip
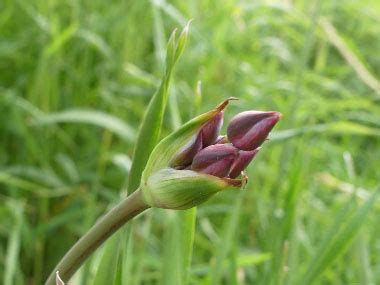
{"x": 211, "y": 129}
{"x": 275, "y": 115}
{"x": 224, "y": 104}
{"x": 248, "y": 130}
{"x": 215, "y": 160}
{"x": 241, "y": 162}
{"x": 255, "y": 151}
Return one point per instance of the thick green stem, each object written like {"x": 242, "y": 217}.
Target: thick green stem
{"x": 101, "y": 231}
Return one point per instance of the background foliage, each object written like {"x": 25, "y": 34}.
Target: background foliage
{"x": 76, "y": 78}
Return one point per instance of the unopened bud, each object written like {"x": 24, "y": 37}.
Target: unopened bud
{"x": 215, "y": 160}
{"x": 194, "y": 163}
{"x": 248, "y": 130}
{"x": 210, "y": 131}
{"x": 241, "y": 162}
{"x": 186, "y": 154}
{"x": 207, "y": 135}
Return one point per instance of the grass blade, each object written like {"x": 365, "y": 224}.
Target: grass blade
{"x": 358, "y": 66}
{"x": 178, "y": 246}
{"x": 226, "y": 242}
{"x": 93, "y": 117}
{"x": 171, "y": 249}
{"x": 12, "y": 255}
{"x": 108, "y": 264}
{"x": 187, "y": 231}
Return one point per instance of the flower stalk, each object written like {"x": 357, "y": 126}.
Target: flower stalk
{"x": 127, "y": 209}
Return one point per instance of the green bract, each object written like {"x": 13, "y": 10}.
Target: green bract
{"x": 180, "y": 189}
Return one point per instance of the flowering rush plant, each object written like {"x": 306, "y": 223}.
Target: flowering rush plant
{"x": 185, "y": 169}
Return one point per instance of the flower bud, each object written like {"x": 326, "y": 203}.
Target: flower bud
{"x": 210, "y": 131}
{"x": 248, "y": 130}
{"x": 169, "y": 188}
{"x": 186, "y": 154}
{"x": 207, "y": 135}
{"x": 193, "y": 163}
{"x": 215, "y": 160}
{"x": 241, "y": 162}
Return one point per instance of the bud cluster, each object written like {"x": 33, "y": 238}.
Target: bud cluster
{"x": 226, "y": 156}
{"x": 195, "y": 162}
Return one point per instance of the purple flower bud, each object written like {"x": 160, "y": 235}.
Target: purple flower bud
{"x": 211, "y": 129}
{"x": 215, "y": 160}
{"x": 248, "y": 130}
{"x": 187, "y": 153}
{"x": 241, "y": 161}
{"x": 206, "y": 136}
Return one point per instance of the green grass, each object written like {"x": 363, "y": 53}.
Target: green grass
{"x": 75, "y": 81}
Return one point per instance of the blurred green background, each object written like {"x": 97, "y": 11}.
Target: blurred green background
{"x": 76, "y": 78}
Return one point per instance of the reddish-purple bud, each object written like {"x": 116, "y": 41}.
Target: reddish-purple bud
{"x": 210, "y": 131}
{"x": 248, "y": 130}
{"x": 241, "y": 161}
{"x": 215, "y": 160}
{"x": 187, "y": 153}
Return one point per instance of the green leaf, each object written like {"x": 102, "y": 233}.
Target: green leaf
{"x": 150, "y": 129}
{"x": 107, "y": 268}
{"x": 60, "y": 39}
{"x": 35, "y": 188}
{"x": 249, "y": 260}
{"x": 171, "y": 251}
{"x": 171, "y": 51}
{"x": 182, "y": 41}
{"x": 12, "y": 260}
{"x": 178, "y": 246}
{"x": 93, "y": 117}
{"x": 186, "y": 239}
{"x": 223, "y": 249}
